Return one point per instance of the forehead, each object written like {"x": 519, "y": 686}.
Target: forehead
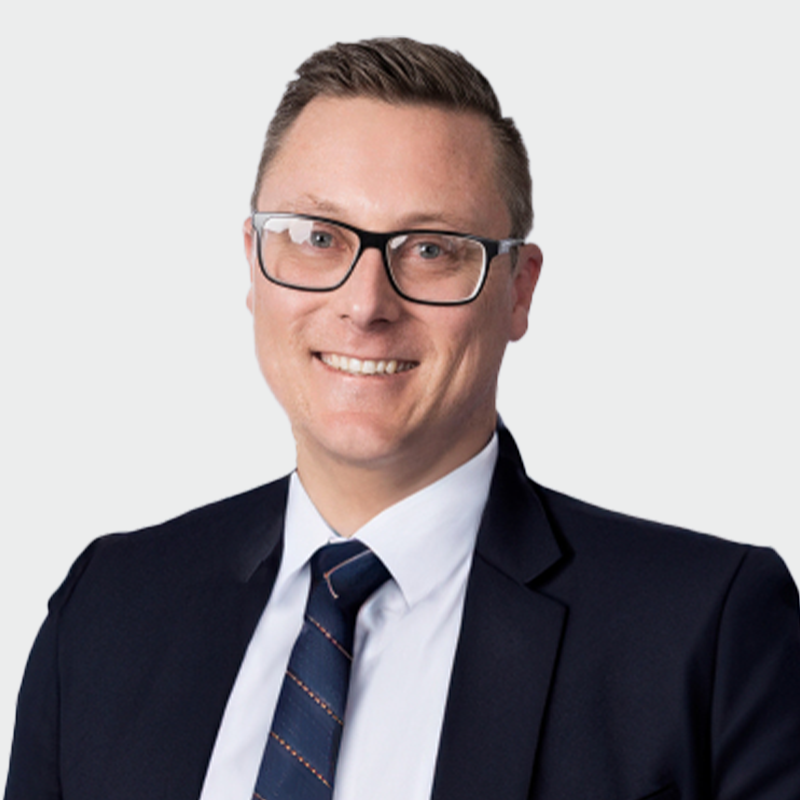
{"x": 373, "y": 158}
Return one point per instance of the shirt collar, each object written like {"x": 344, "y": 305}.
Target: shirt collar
{"x": 423, "y": 540}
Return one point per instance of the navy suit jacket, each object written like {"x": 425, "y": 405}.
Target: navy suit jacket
{"x": 600, "y": 657}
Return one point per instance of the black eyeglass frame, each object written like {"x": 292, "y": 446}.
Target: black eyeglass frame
{"x": 380, "y": 241}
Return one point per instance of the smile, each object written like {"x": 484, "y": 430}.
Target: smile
{"x": 367, "y": 366}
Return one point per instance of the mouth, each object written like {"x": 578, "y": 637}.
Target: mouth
{"x": 366, "y": 366}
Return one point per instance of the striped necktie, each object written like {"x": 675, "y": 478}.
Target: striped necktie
{"x": 299, "y": 760}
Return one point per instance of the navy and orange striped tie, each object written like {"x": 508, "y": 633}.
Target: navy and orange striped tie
{"x": 299, "y": 760}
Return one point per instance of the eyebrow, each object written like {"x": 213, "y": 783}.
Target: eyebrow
{"x": 311, "y": 204}
{"x": 317, "y": 205}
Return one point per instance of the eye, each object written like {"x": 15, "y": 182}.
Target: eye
{"x": 321, "y": 239}
{"x": 428, "y": 250}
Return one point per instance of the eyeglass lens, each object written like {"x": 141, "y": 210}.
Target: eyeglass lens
{"x": 313, "y": 254}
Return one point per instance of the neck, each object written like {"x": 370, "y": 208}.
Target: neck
{"x": 349, "y": 494}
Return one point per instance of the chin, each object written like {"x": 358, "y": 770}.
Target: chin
{"x": 361, "y": 442}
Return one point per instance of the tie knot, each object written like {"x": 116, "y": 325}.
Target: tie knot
{"x": 350, "y": 571}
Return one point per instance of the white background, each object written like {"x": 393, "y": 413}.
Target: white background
{"x": 659, "y": 376}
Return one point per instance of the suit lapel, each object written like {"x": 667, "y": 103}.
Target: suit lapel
{"x": 252, "y": 559}
{"x": 507, "y": 649}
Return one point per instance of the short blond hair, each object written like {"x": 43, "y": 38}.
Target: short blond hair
{"x": 401, "y": 70}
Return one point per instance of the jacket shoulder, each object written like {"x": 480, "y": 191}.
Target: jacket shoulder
{"x": 609, "y": 554}
{"x": 227, "y": 538}
{"x": 588, "y": 524}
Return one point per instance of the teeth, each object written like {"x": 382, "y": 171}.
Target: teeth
{"x": 355, "y": 366}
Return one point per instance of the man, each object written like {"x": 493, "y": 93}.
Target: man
{"x": 517, "y": 643}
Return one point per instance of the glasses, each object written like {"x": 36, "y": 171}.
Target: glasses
{"x": 315, "y": 254}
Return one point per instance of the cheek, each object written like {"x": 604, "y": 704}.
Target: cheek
{"x": 484, "y": 341}
{"x": 279, "y": 315}
{"x": 280, "y": 364}
{"x": 275, "y": 326}
{"x": 474, "y": 347}
{"x": 265, "y": 326}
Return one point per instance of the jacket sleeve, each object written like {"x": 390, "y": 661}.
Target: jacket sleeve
{"x": 34, "y": 769}
{"x": 755, "y": 721}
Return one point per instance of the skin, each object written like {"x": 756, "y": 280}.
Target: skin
{"x": 364, "y": 442}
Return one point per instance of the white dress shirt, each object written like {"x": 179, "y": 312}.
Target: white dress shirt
{"x": 405, "y": 641}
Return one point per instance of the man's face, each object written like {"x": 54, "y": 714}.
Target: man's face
{"x": 385, "y": 167}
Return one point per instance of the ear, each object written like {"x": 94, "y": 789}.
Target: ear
{"x": 250, "y": 255}
{"x": 526, "y": 276}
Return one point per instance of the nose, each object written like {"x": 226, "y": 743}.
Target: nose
{"x": 367, "y": 297}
